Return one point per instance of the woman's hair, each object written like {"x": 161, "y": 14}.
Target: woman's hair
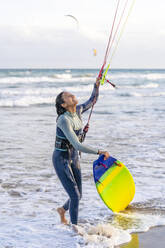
{"x": 59, "y": 100}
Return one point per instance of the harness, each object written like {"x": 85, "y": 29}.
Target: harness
{"x": 62, "y": 144}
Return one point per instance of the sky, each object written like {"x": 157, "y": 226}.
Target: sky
{"x": 38, "y": 34}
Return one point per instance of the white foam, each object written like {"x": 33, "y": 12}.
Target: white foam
{"x": 26, "y": 101}
{"x": 138, "y": 222}
{"x": 151, "y": 85}
{"x": 138, "y": 94}
{"x": 119, "y": 231}
{"x": 25, "y": 80}
{"x": 103, "y": 235}
{"x": 29, "y": 96}
{"x": 136, "y": 75}
{"x": 16, "y": 94}
{"x": 155, "y": 76}
{"x": 30, "y": 92}
{"x": 62, "y": 76}
{"x": 53, "y": 79}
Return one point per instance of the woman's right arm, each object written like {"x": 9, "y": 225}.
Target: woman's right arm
{"x": 67, "y": 129}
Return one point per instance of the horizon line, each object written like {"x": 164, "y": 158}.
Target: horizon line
{"x": 76, "y": 68}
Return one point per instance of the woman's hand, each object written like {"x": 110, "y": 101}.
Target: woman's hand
{"x": 98, "y": 81}
{"x": 106, "y": 154}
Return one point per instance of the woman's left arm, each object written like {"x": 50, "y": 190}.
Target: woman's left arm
{"x": 93, "y": 98}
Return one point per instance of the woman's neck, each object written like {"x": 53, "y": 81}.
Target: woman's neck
{"x": 71, "y": 109}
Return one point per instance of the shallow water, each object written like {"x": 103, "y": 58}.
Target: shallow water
{"x": 128, "y": 122}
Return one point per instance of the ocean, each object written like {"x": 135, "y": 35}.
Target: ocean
{"x": 127, "y": 121}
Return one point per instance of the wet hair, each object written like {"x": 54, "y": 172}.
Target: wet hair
{"x": 59, "y": 100}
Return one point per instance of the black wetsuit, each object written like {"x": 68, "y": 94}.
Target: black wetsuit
{"x": 65, "y": 156}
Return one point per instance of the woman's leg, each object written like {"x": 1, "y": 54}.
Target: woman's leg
{"x": 75, "y": 165}
{"x": 68, "y": 181}
{"x": 76, "y": 170}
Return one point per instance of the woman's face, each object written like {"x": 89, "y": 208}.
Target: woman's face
{"x": 69, "y": 100}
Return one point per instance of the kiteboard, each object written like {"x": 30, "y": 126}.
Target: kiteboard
{"x": 114, "y": 183}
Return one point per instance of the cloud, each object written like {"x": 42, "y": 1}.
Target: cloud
{"x": 57, "y": 42}
{"x": 23, "y": 46}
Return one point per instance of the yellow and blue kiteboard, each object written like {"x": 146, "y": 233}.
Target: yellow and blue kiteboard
{"x": 114, "y": 183}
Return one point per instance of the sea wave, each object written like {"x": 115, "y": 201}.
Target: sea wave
{"x": 138, "y": 94}
{"x": 44, "y": 96}
{"x": 43, "y": 91}
{"x": 14, "y": 80}
{"x": 141, "y": 85}
{"x": 62, "y": 76}
{"x": 34, "y": 96}
{"x": 28, "y": 77}
{"x": 155, "y": 76}
{"x": 45, "y": 79}
{"x": 151, "y": 85}
{"x": 136, "y": 75}
{"x": 130, "y": 94}
{"x": 26, "y": 101}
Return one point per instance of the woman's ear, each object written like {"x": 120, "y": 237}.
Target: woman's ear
{"x": 63, "y": 105}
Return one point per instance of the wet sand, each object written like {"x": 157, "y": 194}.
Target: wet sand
{"x": 155, "y": 237}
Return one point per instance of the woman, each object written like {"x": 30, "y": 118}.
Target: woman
{"x": 67, "y": 145}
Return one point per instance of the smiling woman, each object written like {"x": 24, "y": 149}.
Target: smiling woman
{"x": 68, "y": 143}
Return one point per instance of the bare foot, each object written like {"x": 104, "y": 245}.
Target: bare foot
{"x": 61, "y": 212}
{"x": 77, "y": 229}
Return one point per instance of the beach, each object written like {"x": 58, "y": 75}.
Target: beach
{"x": 155, "y": 237}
